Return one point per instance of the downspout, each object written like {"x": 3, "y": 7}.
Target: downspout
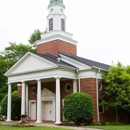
{"x": 79, "y": 80}
{"x": 97, "y": 94}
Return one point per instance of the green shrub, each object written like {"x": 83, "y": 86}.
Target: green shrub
{"x": 107, "y": 123}
{"x": 78, "y": 107}
{"x": 15, "y": 106}
{"x": 23, "y": 125}
{"x": 99, "y": 123}
{"x": 115, "y": 123}
{"x": 65, "y": 123}
{"x": 102, "y": 123}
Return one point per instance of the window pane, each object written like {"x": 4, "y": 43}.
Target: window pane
{"x": 50, "y": 24}
{"x": 62, "y": 24}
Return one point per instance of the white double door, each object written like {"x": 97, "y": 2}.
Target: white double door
{"x": 47, "y": 110}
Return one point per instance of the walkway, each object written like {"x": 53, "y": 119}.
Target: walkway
{"x": 52, "y": 125}
{"x": 67, "y": 127}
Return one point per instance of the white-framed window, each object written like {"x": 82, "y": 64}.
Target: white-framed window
{"x": 50, "y": 24}
{"x": 62, "y": 24}
{"x": 33, "y": 91}
{"x": 67, "y": 87}
{"x": 100, "y": 85}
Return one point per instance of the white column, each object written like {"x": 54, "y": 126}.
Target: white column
{"x": 23, "y": 99}
{"x": 58, "y": 114}
{"x": 9, "y": 103}
{"x": 74, "y": 86}
{"x": 27, "y": 99}
{"x": 38, "y": 101}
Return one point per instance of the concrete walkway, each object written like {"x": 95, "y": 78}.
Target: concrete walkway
{"x": 52, "y": 125}
{"x": 65, "y": 127}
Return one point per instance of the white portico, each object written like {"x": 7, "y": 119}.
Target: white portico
{"x": 41, "y": 69}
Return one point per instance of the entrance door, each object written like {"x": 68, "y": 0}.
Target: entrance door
{"x": 48, "y": 110}
{"x": 33, "y": 110}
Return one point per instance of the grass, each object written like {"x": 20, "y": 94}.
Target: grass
{"x": 122, "y": 127}
{"x": 29, "y": 128}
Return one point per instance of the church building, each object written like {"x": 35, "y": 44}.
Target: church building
{"x": 46, "y": 77}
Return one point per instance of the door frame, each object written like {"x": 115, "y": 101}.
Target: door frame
{"x": 32, "y": 101}
{"x": 46, "y": 99}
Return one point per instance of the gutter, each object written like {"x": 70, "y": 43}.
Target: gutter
{"x": 98, "y": 71}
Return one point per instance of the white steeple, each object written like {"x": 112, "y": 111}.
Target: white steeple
{"x": 56, "y": 29}
{"x": 56, "y": 19}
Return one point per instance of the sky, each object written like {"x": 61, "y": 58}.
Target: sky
{"x": 101, "y": 27}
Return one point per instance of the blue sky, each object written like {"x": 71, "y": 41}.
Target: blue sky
{"x": 101, "y": 27}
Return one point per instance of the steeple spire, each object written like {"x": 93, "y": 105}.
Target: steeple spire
{"x": 56, "y": 2}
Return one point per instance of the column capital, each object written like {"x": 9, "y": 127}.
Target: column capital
{"x": 9, "y": 83}
{"x": 38, "y": 79}
{"x": 22, "y": 81}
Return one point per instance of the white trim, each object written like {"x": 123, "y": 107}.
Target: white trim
{"x": 66, "y": 87}
{"x": 23, "y": 58}
{"x": 26, "y": 112}
{"x": 51, "y": 98}
{"x": 30, "y": 101}
{"x": 30, "y": 71}
{"x": 79, "y": 65}
{"x": 98, "y": 118}
{"x": 56, "y": 37}
{"x": 44, "y": 99}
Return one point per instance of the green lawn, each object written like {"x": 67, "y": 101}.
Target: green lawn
{"x": 29, "y": 128}
{"x": 124, "y": 127}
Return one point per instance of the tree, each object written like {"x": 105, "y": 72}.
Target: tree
{"x": 78, "y": 107}
{"x": 14, "y": 52}
{"x": 36, "y": 35}
{"x": 15, "y": 106}
{"x": 116, "y": 90}
{"x": 3, "y": 79}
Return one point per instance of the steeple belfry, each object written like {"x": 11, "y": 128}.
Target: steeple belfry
{"x": 56, "y": 18}
{"x": 56, "y": 39}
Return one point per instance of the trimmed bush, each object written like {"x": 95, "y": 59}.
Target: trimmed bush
{"x": 78, "y": 107}
{"x": 15, "y": 106}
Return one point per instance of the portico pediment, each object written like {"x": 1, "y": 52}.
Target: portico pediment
{"x": 29, "y": 63}
{"x": 47, "y": 93}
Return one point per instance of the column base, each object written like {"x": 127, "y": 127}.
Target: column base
{"x": 8, "y": 120}
{"x": 57, "y": 123}
{"x": 38, "y": 122}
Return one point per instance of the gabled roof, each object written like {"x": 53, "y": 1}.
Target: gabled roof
{"x": 87, "y": 61}
{"x": 53, "y": 59}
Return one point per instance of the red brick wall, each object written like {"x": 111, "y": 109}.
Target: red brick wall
{"x": 19, "y": 88}
{"x": 57, "y": 45}
{"x": 52, "y": 87}
{"x": 89, "y": 86}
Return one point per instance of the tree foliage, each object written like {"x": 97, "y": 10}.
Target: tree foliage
{"x": 78, "y": 107}
{"x": 36, "y": 35}
{"x": 14, "y": 52}
{"x": 116, "y": 92}
{"x": 15, "y": 106}
{"x": 3, "y": 79}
